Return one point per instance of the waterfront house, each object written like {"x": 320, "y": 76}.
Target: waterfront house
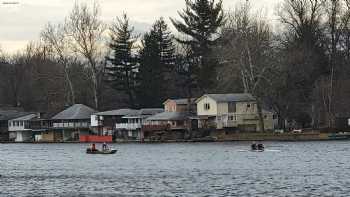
{"x": 41, "y": 127}
{"x": 69, "y": 124}
{"x": 234, "y": 111}
{"x": 174, "y": 121}
{"x": 20, "y": 130}
{"x": 104, "y": 123}
{"x": 6, "y": 115}
{"x": 131, "y": 129}
{"x": 180, "y": 105}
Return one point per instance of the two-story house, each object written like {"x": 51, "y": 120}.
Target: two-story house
{"x": 176, "y": 112}
{"x": 176, "y": 117}
{"x": 19, "y": 128}
{"x": 231, "y": 111}
{"x": 131, "y": 129}
{"x": 108, "y": 122}
{"x": 5, "y": 116}
{"x": 69, "y": 124}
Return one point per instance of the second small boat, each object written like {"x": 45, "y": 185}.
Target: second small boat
{"x": 257, "y": 147}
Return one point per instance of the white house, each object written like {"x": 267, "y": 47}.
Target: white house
{"x": 106, "y": 122}
{"x": 134, "y": 121}
{"x": 231, "y": 111}
{"x": 20, "y": 128}
{"x": 70, "y": 123}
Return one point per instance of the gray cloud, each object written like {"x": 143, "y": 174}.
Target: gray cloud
{"x": 23, "y": 22}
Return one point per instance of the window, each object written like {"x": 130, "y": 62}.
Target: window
{"x": 231, "y": 118}
{"x": 248, "y": 105}
{"x": 232, "y": 107}
{"x": 21, "y": 123}
{"x": 206, "y": 106}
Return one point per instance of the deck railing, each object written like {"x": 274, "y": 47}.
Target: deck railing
{"x": 128, "y": 126}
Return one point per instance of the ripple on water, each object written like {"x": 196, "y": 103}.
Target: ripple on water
{"x": 201, "y": 169}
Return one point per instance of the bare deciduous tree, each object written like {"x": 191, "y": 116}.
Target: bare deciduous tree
{"x": 247, "y": 45}
{"x": 338, "y": 20}
{"x": 55, "y": 37}
{"x": 85, "y": 31}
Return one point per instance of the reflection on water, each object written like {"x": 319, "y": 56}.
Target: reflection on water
{"x": 198, "y": 169}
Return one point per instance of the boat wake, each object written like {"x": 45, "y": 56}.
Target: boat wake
{"x": 266, "y": 150}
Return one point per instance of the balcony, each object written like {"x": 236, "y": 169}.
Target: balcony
{"x": 128, "y": 126}
{"x": 71, "y": 125}
{"x": 161, "y": 127}
{"x": 234, "y": 119}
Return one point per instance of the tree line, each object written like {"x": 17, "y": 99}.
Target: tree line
{"x": 299, "y": 69}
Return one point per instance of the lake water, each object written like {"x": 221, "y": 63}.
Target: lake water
{"x": 179, "y": 169}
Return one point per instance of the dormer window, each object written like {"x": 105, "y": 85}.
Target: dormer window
{"x": 207, "y": 106}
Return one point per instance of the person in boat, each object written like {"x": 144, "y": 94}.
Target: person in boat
{"x": 104, "y": 146}
{"x": 93, "y": 147}
{"x": 254, "y": 146}
{"x": 261, "y": 146}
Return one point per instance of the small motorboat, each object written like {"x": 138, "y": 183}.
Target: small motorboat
{"x": 257, "y": 147}
{"x": 96, "y": 151}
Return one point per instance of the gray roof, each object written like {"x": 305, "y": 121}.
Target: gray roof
{"x": 150, "y": 111}
{"x": 230, "y": 97}
{"x": 11, "y": 114}
{"x": 182, "y": 101}
{"x": 26, "y": 117}
{"x": 75, "y": 112}
{"x": 168, "y": 116}
{"x": 118, "y": 112}
{"x": 146, "y": 112}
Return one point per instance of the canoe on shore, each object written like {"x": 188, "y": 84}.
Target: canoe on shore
{"x": 103, "y": 152}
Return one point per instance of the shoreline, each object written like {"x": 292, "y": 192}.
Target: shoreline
{"x": 181, "y": 141}
{"x": 222, "y": 136}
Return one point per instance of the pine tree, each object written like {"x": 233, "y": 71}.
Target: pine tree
{"x": 201, "y": 22}
{"x": 122, "y": 68}
{"x": 156, "y": 64}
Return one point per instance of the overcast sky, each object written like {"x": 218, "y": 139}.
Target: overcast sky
{"x": 22, "y": 22}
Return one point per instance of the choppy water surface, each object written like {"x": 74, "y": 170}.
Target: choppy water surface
{"x": 199, "y": 169}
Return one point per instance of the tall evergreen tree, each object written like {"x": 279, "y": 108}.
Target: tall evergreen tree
{"x": 121, "y": 69}
{"x": 201, "y": 22}
{"x": 156, "y": 64}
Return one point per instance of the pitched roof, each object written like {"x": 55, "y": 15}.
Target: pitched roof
{"x": 150, "y": 111}
{"x": 118, "y": 112}
{"x": 26, "y": 117}
{"x": 182, "y": 101}
{"x": 11, "y": 114}
{"x": 75, "y": 112}
{"x": 230, "y": 97}
{"x": 168, "y": 116}
{"x": 146, "y": 112}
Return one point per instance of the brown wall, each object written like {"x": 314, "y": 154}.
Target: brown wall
{"x": 48, "y": 136}
{"x": 52, "y": 136}
{"x": 170, "y": 106}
